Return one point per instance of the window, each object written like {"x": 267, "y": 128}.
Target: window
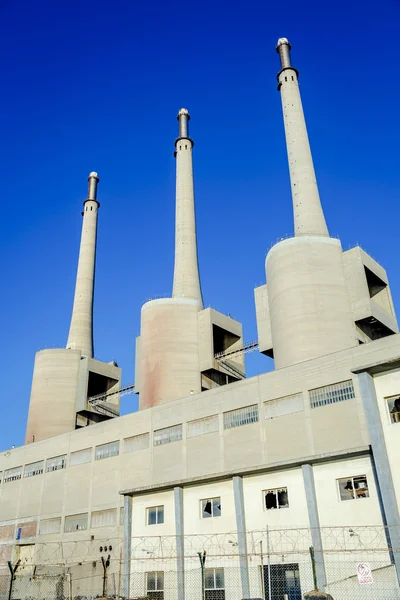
{"x": 76, "y": 523}
{"x": 33, "y": 469}
{"x": 214, "y": 584}
{"x": 155, "y": 515}
{"x": 56, "y": 463}
{"x": 80, "y": 457}
{"x": 167, "y": 435}
{"x": 50, "y": 526}
{"x": 211, "y": 508}
{"x": 12, "y": 474}
{"x": 202, "y": 426}
{"x": 104, "y": 518}
{"x": 106, "y": 450}
{"x": 332, "y": 393}
{"x": 1, "y": 476}
{"x": 277, "y": 498}
{"x": 155, "y": 585}
{"x": 353, "y": 488}
{"x": 241, "y": 416}
{"x": 136, "y": 442}
{"x": 283, "y": 406}
{"x": 394, "y": 409}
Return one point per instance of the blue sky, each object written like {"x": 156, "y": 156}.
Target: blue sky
{"x": 97, "y": 85}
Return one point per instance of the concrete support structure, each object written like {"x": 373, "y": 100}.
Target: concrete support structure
{"x": 308, "y": 215}
{"x": 81, "y": 330}
{"x": 180, "y": 541}
{"x": 312, "y": 507}
{"x": 64, "y": 378}
{"x": 127, "y": 546}
{"x": 381, "y": 460}
{"x": 175, "y": 352}
{"x": 306, "y": 310}
{"x": 186, "y": 270}
{"x": 241, "y": 534}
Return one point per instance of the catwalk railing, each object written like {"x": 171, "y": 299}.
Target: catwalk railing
{"x": 357, "y": 563}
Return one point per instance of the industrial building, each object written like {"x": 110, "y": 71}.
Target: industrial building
{"x": 313, "y": 444}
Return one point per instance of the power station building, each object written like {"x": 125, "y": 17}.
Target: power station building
{"x": 313, "y": 444}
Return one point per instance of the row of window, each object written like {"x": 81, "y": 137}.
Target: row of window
{"x": 350, "y": 488}
{"x": 213, "y": 581}
{"x": 231, "y": 419}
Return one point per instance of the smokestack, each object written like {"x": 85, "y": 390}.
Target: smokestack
{"x": 308, "y": 214}
{"x": 81, "y": 330}
{"x": 186, "y": 269}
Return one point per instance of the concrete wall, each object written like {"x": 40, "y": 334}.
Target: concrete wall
{"x": 268, "y": 453}
{"x": 53, "y": 394}
{"x": 308, "y": 300}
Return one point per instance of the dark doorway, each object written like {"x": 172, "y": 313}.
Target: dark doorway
{"x": 285, "y": 579}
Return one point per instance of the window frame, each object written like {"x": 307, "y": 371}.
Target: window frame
{"x": 63, "y": 458}
{"x": 110, "y": 444}
{"x": 352, "y": 478}
{"x": 276, "y": 491}
{"x": 211, "y": 500}
{"x": 75, "y": 530}
{"x": 214, "y": 569}
{"x": 156, "y": 508}
{"x": 157, "y": 588}
{"x": 391, "y": 399}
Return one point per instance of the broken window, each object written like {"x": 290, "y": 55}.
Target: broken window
{"x": 277, "y": 498}
{"x": 56, "y": 463}
{"x": 211, "y": 508}
{"x": 155, "y": 515}
{"x": 353, "y": 488}
{"x": 394, "y": 409}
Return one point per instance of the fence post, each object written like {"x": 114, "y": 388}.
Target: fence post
{"x": 13, "y": 570}
{"x": 269, "y": 566}
{"x": 202, "y": 559}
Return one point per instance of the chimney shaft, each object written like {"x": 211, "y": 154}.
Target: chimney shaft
{"x": 308, "y": 214}
{"x": 186, "y": 269}
{"x": 81, "y": 329}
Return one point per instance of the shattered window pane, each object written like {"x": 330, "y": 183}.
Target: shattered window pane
{"x": 277, "y": 498}
{"x": 353, "y": 488}
{"x": 394, "y": 409}
{"x": 211, "y": 508}
{"x": 216, "y": 507}
{"x": 283, "y": 498}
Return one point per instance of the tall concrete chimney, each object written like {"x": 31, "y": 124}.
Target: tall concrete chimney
{"x": 81, "y": 330}
{"x": 186, "y": 269}
{"x": 308, "y": 214}
{"x": 306, "y": 296}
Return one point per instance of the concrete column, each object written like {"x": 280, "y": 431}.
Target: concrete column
{"x": 81, "y": 330}
{"x": 242, "y": 535}
{"x": 180, "y": 541}
{"x": 308, "y": 215}
{"x": 312, "y": 506}
{"x": 127, "y": 546}
{"x": 381, "y": 460}
{"x": 186, "y": 269}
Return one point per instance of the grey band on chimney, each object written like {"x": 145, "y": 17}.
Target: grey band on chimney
{"x": 183, "y": 118}
{"x": 283, "y": 49}
{"x": 93, "y": 180}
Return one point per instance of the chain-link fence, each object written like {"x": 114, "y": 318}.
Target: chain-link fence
{"x": 356, "y": 563}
